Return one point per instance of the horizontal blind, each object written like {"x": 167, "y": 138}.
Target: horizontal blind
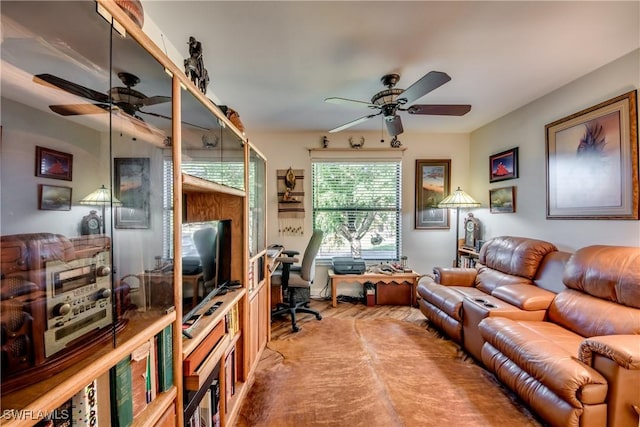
{"x": 357, "y": 203}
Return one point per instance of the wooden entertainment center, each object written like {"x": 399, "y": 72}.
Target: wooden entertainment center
{"x": 68, "y": 86}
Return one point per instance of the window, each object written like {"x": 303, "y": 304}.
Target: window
{"x": 357, "y": 205}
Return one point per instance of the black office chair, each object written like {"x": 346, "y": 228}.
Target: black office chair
{"x": 205, "y": 242}
{"x": 296, "y": 281}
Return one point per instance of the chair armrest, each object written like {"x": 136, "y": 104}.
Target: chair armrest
{"x": 525, "y": 297}
{"x": 290, "y": 252}
{"x": 287, "y": 259}
{"x": 622, "y": 349}
{"x": 452, "y": 276}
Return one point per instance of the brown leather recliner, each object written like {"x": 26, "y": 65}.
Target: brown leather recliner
{"x": 580, "y": 366}
{"x": 503, "y": 261}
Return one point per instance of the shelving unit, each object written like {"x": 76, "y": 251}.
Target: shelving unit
{"x": 468, "y": 257}
{"x": 44, "y": 114}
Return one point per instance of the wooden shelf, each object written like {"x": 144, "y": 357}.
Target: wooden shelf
{"x": 354, "y": 150}
{"x": 51, "y": 393}
{"x": 154, "y": 411}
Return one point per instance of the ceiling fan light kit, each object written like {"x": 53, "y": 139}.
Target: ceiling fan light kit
{"x": 391, "y": 100}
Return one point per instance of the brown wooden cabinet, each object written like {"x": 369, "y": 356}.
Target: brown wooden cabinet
{"x": 61, "y": 95}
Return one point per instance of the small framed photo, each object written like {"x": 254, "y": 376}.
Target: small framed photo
{"x": 503, "y": 166}
{"x": 54, "y": 198}
{"x": 502, "y": 200}
{"x": 132, "y": 187}
{"x": 53, "y": 164}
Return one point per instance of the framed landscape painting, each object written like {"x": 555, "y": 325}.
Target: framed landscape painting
{"x": 132, "y": 188}
{"x": 502, "y": 200}
{"x": 592, "y": 162}
{"x": 432, "y": 185}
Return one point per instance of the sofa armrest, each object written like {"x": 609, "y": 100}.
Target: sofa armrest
{"x": 622, "y": 349}
{"x": 525, "y": 297}
{"x": 455, "y": 276}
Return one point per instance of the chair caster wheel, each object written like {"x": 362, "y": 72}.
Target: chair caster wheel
{"x": 318, "y": 316}
{"x": 296, "y": 329}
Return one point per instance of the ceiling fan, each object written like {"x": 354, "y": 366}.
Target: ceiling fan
{"x": 391, "y": 100}
{"x": 125, "y": 99}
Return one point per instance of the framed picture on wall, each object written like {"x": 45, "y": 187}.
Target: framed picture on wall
{"x": 592, "y": 162}
{"x": 502, "y": 200}
{"x": 433, "y": 178}
{"x": 54, "y": 198}
{"x": 132, "y": 187}
{"x": 53, "y": 164}
{"x": 503, "y": 166}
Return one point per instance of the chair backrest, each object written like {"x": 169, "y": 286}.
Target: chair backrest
{"x": 205, "y": 241}
{"x": 307, "y": 271}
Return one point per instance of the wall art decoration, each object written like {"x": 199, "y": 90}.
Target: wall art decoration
{"x": 290, "y": 190}
{"x": 504, "y": 165}
{"x": 132, "y": 187}
{"x": 433, "y": 180}
{"x": 54, "y": 198}
{"x": 502, "y": 200}
{"x": 592, "y": 162}
{"x": 53, "y": 164}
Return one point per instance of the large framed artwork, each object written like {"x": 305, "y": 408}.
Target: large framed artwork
{"x": 132, "y": 188}
{"x": 592, "y": 162}
{"x": 433, "y": 179}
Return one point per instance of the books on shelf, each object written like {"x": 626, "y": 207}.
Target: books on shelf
{"x": 121, "y": 394}
{"x": 467, "y": 261}
{"x": 232, "y": 321}
{"x": 84, "y": 406}
{"x": 165, "y": 359}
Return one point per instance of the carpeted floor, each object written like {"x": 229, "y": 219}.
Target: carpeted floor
{"x": 375, "y": 372}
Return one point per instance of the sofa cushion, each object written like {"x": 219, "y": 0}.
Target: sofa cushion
{"x": 590, "y": 316}
{"x": 488, "y": 279}
{"x": 447, "y": 298}
{"x": 517, "y": 256}
{"x": 548, "y": 353}
{"x": 607, "y": 272}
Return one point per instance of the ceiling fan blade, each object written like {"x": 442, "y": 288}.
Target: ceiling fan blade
{"x": 169, "y": 118}
{"x": 440, "y": 109}
{"x": 430, "y": 81}
{"x": 67, "y": 86}
{"x": 79, "y": 109}
{"x": 152, "y": 100}
{"x": 394, "y": 125}
{"x": 354, "y": 122}
{"x": 345, "y": 101}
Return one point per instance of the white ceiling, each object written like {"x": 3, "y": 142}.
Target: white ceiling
{"x": 276, "y": 62}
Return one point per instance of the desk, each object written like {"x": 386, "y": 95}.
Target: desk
{"x": 272, "y": 265}
{"x": 335, "y": 279}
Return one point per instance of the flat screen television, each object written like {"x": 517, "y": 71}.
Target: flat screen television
{"x": 206, "y": 248}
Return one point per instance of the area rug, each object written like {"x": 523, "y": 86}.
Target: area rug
{"x": 377, "y": 372}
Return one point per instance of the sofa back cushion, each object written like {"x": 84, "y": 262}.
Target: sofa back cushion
{"x": 510, "y": 260}
{"x": 590, "y": 316}
{"x": 611, "y": 273}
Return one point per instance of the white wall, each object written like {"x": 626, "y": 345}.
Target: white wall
{"x": 425, "y": 248}
{"x": 525, "y": 128}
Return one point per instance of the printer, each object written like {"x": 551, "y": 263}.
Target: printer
{"x": 348, "y": 265}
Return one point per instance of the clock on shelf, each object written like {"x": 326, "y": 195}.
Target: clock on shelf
{"x": 471, "y": 231}
{"x": 90, "y": 223}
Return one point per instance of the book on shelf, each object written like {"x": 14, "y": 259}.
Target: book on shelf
{"x": 140, "y": 381}
{"x": 84, "y": 406}
{"x": 232, "y": 320}
{"x": 165, "y": 359}
{"x": 60, "y": 417}
{"x": 206, "y": 416}
{"x": 230, "y": 377}
{"x": 215, "y": 402}
{"x": 121, "y": 394}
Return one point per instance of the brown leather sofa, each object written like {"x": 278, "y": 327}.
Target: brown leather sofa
{"x": 580, "y": 365}
{"x": 561, "y": 330}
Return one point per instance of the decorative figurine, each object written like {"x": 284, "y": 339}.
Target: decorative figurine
{"x": 325, "y": 142}
{"x": 194, "y": 66}
{"x": 395, "y": 142}
{"x": 356, "y": 144}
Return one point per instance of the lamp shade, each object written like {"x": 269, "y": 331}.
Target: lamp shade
{"x": 100, "y": 197}
{"x": 458, "y": 199}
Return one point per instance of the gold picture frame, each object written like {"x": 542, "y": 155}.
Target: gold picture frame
{"x": 592, "y": 162}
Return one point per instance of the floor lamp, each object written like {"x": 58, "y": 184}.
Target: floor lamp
{"x": 456, "y": 200}
{"x": 101, "y": 197}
